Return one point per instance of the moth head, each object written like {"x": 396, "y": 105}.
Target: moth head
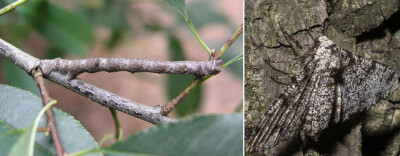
{"x": 327, "y": 55}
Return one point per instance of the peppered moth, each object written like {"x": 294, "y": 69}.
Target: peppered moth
{"x": 333, "y": 85}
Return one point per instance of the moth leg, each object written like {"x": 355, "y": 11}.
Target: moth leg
{"x": 297, "y": 59}
{"x": 394, "y": 107}
{"x": 304, "y": 141}
{"x": 268, "y": 62}
{"x": 394, "y": 102}
{"x": 290, "y": 60}
{"x": 257, "y": 46}
{"x": 309, "y": 30}
{"x": 293, "y": 43}
{"x": 275, "y": 79}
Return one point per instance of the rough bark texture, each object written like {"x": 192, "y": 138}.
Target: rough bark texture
{"x": 368, "y": 28}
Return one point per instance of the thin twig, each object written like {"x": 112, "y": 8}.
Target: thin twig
{"x": 111, "y": 100}
{"x": 174, "y": 102}
{"x": 105, "y": 98}
{"x": 23, "y": 60}
{"x": 75, "y": 67}
{"x": 166, "y": 109}
{"x": 230, "y": 41}
{"x": 51, "y": 125}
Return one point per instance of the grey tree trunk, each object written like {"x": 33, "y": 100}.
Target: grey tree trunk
{"x": 370, "y": 28}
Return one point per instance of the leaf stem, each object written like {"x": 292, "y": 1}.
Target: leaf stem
{"x": 190, "y": 24}
{"x": 36, "y": 123}
{"x": 230, "y": 41}
{"x": 118, "y": 130}
{"x": 105, "y": 138}
{"x": 11, "y": 6}
{"x": 237, "y": 58}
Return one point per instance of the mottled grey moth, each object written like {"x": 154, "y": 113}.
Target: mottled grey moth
{"x": 333, "y": 85}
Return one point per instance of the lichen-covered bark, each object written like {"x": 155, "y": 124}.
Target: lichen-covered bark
{"x": 368, "y": 28}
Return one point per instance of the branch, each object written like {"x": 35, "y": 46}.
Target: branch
{"x": 108, "y": 99}
{"x": 51, "y": 125}
{"x": 174, "y": 102}
{"x": 18, "y": 57}
{"x": 75, "y": 67}
{"x": 198, "y": 81}
{"x": 105, "y": 98}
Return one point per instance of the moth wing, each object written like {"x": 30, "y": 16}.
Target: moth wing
{"x": 365, "y": 83}
{"x": 321, "y": 105}
{"x": 286, "y": 116}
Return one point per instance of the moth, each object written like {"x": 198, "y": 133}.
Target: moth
{"x": 333, "y": 85}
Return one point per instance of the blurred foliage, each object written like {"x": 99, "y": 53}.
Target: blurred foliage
{"x": 109, "y": 14}
{"x": 202, "y": 13}
{"x": 17, "y": 77}
{"x": 64, "y": 30}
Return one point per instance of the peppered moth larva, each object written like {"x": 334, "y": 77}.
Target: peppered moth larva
{"x": 333, "y": 85}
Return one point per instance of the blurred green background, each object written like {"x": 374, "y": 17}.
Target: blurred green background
{"x": 132, "y": 29}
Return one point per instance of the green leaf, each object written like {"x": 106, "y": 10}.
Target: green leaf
{"x": 197, "y": 135}
{"x": 177, "y": 83}
{"x": 25, "y": 143}
{"x": 18, "y": 109}
{"x": 179, "y": 5}
{"x": 63, "y": 29}
{"x": 14, "y": 29}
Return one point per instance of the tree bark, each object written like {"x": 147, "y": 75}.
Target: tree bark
{"x": 367, "y": 28}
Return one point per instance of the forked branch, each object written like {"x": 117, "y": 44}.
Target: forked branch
{"x": 198, "y": 81}
{"x": 105, "y": 98}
